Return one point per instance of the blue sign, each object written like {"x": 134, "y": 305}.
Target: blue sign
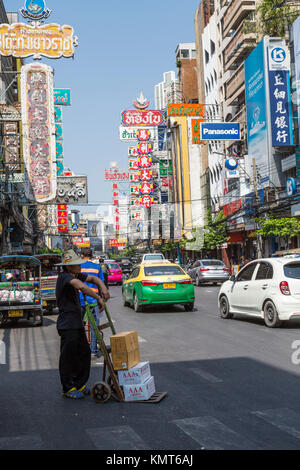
{"x": 220, "y": 131}
{"x": 291, "y": 186}
{"x": 35, "y": 10}
{"x": 75, "y": 227}
{"x": 281, "y": 111}
{"x": 257, "y": 130}
{"x": 231, "y": 163}
{"x": 278, "y": 55}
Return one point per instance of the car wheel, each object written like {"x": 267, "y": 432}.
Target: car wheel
{"x": 125, "y": 303}
{"x": 136, "y": 305}
{"x": 271, "y": 315}
{"x": 189, "y": 307}
{"x": 198, "y": 281}
{"x": 224, "y": 308}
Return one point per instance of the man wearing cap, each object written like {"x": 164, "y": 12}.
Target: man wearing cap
{"x": 75, "y": 353}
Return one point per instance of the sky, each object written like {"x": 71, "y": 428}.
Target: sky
{"x": 123, "y": 48}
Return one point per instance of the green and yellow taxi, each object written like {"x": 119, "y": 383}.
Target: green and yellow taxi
{"x": 158, "y": 283}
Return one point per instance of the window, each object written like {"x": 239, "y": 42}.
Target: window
{"x": 265, "y": 271}
{"x": 196, "y": 264}
{"x": 247, "y": 273}
{"x": 185, "y": 54}
{"x": 163, "y": 270}
{"x": 134, "y": 273}
{"x": 153, "y": 257}
{"x": 113, "y": 266}
{"x": 212, "y": 48}
{"x": 193, "y": 54}
{"x": 210, "y": 262}
{"x": 292, "y": 270}
{"x": 206, "y": 56}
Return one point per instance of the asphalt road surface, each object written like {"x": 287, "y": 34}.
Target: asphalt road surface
{"x": 232, "y": 384}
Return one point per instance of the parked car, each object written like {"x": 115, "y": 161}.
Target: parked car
{"x": 115, "y": 272}
{"x": 209, "y": 270}
{"x": 158, "y": 283}
{"x": 266, "y": 288}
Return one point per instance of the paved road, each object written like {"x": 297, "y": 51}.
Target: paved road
{"x": 231, "y": 385}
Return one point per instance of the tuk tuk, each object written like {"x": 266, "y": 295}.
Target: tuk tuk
{"x": 50, "y": 273}
{"x": 20, "y": 289}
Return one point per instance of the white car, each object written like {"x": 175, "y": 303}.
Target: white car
{"x": 266, "y": 288}
{"x": 152, "y": 257}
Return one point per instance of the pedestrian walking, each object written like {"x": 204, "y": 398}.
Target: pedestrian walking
{"x": 105, "y": 271}
{"x": 90, "y": 268}
{"x": 75, "y": 353}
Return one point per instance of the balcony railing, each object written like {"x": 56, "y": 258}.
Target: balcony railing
{"x": 235, "y": 13}
{"x": 236, "y": 83}
{"x": 243, "y": 41}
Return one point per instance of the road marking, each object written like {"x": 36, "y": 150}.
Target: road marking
{"x": 116, "y": 438}
{"x": 283, "y": 418}
{"x": 30, "y": 442}
{"x": 205, "y": 375}
{"x": 212, "y": 434}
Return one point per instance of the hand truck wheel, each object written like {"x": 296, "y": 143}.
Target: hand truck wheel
{"x": 114, "y": 392}
{"x": 101, "y": 392}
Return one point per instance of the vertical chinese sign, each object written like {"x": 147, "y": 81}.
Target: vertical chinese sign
{"x": 39, "y": 151}
{"x": 280, "y": 96}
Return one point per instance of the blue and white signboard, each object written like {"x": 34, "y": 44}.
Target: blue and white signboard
{"x": 280, "y": 97}
{"x": 257, "y": 129}
{"x": 220, "y": 131}
{"x": 291, "y": 186}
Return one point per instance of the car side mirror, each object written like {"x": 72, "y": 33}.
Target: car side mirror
{"x": 232, "y": 278}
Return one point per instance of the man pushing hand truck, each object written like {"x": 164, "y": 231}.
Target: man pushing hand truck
{"x": 75, "y": 353}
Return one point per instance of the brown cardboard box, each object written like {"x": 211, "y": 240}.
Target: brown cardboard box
{"x": 125, "y": 350}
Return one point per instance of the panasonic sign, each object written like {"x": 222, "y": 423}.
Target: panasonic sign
{"x": 220, "y": 131}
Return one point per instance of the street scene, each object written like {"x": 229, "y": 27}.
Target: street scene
{"x": 149, "y": 228}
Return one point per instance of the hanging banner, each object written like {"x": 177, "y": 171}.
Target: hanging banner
{"x": 39, "y": 150}
{"x": 146, "y": 189}
{"x": 196, "y": 137}
{"x": 144, "y": 162}
{"x": 22, "y": 40}
{"x": 11, "y": 144}
{"x": 143, "y": 118}
{"x": 62, "y": 96}
{"x": 144, "y": 148}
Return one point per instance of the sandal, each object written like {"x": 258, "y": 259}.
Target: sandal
{"x": 74, "y": 393}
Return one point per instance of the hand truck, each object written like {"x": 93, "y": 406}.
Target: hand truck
{"x": 110, "y": 387}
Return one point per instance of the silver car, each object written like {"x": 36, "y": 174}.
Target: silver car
{"x": 209, "y": 270}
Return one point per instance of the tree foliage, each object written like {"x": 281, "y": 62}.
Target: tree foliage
{"x": 215, "y": 235}
{"x": 273, "y": 19}
{"x": 286, "y": 227}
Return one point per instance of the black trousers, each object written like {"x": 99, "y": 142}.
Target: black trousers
{"x": 75, "y": 359}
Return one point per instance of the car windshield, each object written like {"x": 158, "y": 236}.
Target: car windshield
{"x": 210, "y": 262}
{"x": 113, "y": 266}
{"x": 153, "y": 257}
{"x": 163, "y": 271}
{"x": 292, "y": 270}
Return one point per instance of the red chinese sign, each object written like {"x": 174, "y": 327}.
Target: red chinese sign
{"x": 145, "y": 175}
{"x": 144, "y": 162}
{"x": 143, "y": 135}
{"x": 146, "y": 188}
{"x": 143, "y": 118}
{"x": 143, "y": 148}
{"x": 146, "y": 201}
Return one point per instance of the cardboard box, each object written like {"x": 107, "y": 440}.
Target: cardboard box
{"x": 137, "y": 375}
{"x": 139, "y": 391}
{"x": 125, "y": 350}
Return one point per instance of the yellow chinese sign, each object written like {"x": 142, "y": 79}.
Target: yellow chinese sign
{"x": 22, "y": 40}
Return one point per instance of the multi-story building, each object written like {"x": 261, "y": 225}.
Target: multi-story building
{"x": 166, "y": 91}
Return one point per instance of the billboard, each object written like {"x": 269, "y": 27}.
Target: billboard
{"x": 39, "y": 150}
{"x": 22, "y": 40}
{"x": 256, "y": 108}
{"x": 72, "y": 190}
{"x": 137, "y": 118}
{"x": 220, "y": 131}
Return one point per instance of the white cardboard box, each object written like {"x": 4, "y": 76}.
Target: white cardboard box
{"x": 138, "y": 374}
{"x": 139, "y": 391}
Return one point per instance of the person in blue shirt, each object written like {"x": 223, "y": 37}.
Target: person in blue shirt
{"x": 92, "y": 269}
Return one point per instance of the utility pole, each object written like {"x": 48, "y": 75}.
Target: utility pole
{"x": 258, "y": 236}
